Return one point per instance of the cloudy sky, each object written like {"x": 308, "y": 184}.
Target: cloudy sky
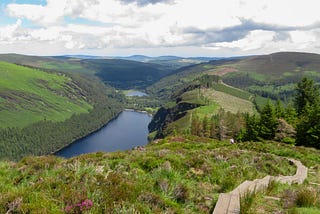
{"x": 159, "y": 27}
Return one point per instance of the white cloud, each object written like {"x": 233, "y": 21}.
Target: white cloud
{"x": 9, "y": 33}
{"x": 231, "y": 25}
{"x": 255, "y": 40}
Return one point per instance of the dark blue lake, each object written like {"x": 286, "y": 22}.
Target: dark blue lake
{"x": 127, "y": 130}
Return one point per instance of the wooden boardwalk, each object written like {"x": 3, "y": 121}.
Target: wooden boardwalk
{"x": 229, "y": 203}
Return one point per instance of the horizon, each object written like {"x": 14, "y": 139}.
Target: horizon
{"x": 153, "y": 28}
{"x": 156, "y": 56}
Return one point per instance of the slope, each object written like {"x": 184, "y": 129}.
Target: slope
{"x": 43, "y": 111}
{"x": 30, "y": 95}
{"x": 203, "y": 98}
{"x": 126, "y": 74}
{"x": 119, "y": 73}
{"x": 182, "y": 174}
{"x": 272, "y": 76}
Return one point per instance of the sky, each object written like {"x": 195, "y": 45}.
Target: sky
{"x": 159, "y": 27}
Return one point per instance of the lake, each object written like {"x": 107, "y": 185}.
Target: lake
{"x": 128, "y": 130}
{"x": 136, "y": 94}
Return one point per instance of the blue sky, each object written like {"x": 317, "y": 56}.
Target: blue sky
{"x": 159, "y": 27}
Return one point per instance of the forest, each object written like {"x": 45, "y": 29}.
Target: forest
{"x": 297, "y": 123}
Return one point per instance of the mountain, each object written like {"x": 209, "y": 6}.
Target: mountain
{"x": 50, "y": 63}
{"x": 125, "y": 74}
{"x": 273, "y": 75}
{"x": 143, "y": 58}
{"x": 205, "y": 97}
{"x": 120, "y": 73}
{"x": 30, "y": 95}
{"x": 42, "y": 111}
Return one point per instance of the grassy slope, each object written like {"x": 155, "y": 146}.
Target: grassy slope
{"x": 229, "y": 102}
{"x": 30, "y": 95}
{"x": 211, "y": 100}
{"x": 271, "y": 75}
{"x": 118, "y": 73}
{"x": 183, "y": 76}
{"x": 178, "y": 175}
{"x": 66, "y": 65}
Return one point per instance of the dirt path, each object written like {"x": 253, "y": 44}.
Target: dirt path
{"x": 229, "y": 203}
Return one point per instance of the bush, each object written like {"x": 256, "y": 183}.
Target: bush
{"x": 306, "y": 198}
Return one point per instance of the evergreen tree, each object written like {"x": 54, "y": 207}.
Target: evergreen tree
{"x": 279, "y": 110}
{"x": 268, "y": 122}
{"x": 306, "y": 95}
{"x": 252, "y": 127}
{"x": 308, "y": 128}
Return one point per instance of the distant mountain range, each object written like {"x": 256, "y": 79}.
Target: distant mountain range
{"x": 140, "y": 58}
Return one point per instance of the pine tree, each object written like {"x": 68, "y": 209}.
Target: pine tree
{"x": 252, "y": 127}
{"x": 308, "y": 128}
{"x": 279, "y": 110}
{"x": 308, "y": 108}
{"x": 306, "y": 94}
{"x": 268, "y": 122}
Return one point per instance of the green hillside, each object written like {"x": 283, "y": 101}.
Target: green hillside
{"x": 169, "y": 84}
{"x": 272, "y": 76}
{"x": 31, "y": 95}
{"x": 126, "y": 74}
{"x": 51, "y": 63}
{"x": 205, "y": 97}
{"x": 182, "y": 174}
{"x": 43, "y": 111}
{"x": 123, "y": 74}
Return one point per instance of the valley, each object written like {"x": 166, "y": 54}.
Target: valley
{"x": 268, "y": 104}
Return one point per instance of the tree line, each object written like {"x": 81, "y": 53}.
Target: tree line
{"x": 297, "y": 123}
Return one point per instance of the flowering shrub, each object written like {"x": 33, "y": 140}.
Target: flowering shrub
{"x": 79, "y": 207}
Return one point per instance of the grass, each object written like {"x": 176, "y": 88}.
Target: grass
{"x": 209, "y": 101}
{"x": 229, "y": 102}
{"x": 246, "y": 202}
{"x": 181, "y": 174}
{"x": 195, "y": 96}
{"x": 66, "y": 66}
{"x": 207, "y": 110}
{"x": 233, "y": 91}
{"x": 31, "y": 95}
{"x": 294, "y": 199}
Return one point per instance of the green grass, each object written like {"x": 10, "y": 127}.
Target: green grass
{"x": 181, "y": 174}
{"x": 306, "y": 210}
{"x": 195, "y": 96}
{"x": 233, "y": 91}
{"x": 229, "y": 102}
{"x": 207, "y": 110}
{"x": 292, "y": 199}
{"x": 31, "y": 95}
{"x": 66, "y": 66}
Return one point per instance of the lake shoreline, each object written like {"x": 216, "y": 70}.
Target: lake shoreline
{"x": 90, "y": 133}
{"x": 98, "y": 129}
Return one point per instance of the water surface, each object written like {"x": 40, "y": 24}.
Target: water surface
{"x": 136, "y": 94}
{"x": 127, "y": 130}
